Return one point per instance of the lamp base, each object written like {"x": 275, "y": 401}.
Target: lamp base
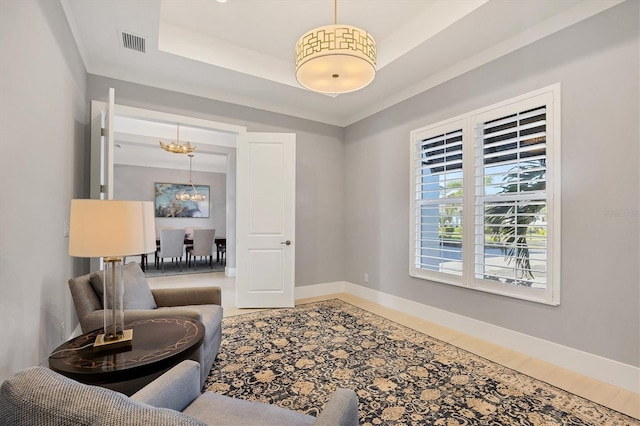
{"x": 102, "y": 344}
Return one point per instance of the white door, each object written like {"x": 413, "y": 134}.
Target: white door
{"x": 266, "y": 220}
{"x": 102, "y": 148}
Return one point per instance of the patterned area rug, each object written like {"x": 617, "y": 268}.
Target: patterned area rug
{"x": 295, "y": 358}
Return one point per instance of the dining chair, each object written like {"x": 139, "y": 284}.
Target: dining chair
{"x": 222, "y": 252}
{"x": 202, "y": 246}
{"x": 155, "y": 257}
{"x": 188, "y": 232}
{"x": 188, "y": 235}
{"x": 171, "y": 245}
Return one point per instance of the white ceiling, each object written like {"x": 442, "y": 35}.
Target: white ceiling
{"x": 242, "y": 51}
{"x": 137, "y": 144}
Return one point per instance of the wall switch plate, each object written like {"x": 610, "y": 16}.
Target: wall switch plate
{"x": 366, "y": 277}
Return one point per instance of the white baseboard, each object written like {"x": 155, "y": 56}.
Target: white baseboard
{"x": 594, "y": 366}
{"x": 320, "y": 289}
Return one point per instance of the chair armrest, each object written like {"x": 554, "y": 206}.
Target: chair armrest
{"x": 187, "y": 296}
{"x": 84, "y": 296}
{"x": 340, "y": 410}
{"x": 95, "y": 319}
{"x": 92, "y": 321}
{"x": 169, "y": 312}
{"x": 175, "y": 389}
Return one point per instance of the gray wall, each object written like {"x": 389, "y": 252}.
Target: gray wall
{"x": 138, "y": 183}
{"x": 596, "y": 62}
{"x": 43, "y": 119}
{"x": 319, "y": 168}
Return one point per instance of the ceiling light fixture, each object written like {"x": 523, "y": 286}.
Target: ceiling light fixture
{"x": 335, "y": 58}
{"x": 176, "y": 147}
{"x": 184, "y": 195}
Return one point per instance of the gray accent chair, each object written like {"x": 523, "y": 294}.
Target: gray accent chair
{"x": 39, "y": 396}
{"x": 141, "y": 302}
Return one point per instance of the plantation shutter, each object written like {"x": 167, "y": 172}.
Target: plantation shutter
{"x": 511, "y": 197}
{"x": 498, "y": 229}
{"x": 438, "y": 200}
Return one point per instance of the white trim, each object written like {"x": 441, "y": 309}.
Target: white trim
{"x": 607, "y": 370}
{"x": 168, "y": 117}
{"x": 316, "y": 290}
{"x": 230, "y": 272}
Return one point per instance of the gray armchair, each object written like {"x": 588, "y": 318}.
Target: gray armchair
{"x": 39, "y": 396}
{"x": 140, "y": 302}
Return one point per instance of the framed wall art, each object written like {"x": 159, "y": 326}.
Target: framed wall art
{"x": 168, "y": 206}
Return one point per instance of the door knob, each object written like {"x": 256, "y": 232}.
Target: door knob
{"x": 288, "y": 243}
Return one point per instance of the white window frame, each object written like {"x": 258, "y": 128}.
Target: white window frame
{"x": 438, "y": 129}
{"x": 550, "y": 98}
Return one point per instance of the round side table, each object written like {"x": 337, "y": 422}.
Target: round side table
{"x": 158, "y": 344}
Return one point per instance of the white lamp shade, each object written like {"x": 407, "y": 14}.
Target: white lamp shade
{"x": 106, "y": 228}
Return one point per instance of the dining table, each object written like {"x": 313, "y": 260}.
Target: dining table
{"x": 220, "y": 242}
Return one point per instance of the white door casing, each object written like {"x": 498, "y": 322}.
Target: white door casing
{"x": 265, "y": 201}
{"x": 98, "y": 112}
{"x": 266, "y": 220}
{"x": 102, "y": 145}
{"x": 108, "y": 145}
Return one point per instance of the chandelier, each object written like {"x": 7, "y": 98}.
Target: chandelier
{"x": 335, "y": 58}
{"x": 176, "y": 147}
{"x": 184, "y": 195}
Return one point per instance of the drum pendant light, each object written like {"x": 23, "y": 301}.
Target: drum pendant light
{"x": 335, "y": 58}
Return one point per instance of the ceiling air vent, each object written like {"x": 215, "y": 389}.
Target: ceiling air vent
{"x": 133, "y": 42}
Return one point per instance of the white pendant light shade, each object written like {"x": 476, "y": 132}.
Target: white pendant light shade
{"x": 335, "y": 59}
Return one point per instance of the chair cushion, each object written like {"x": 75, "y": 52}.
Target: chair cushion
{"x": 137, "y": 294}
{"x": 214, "y": 409}
{"x": 39, "y": 396}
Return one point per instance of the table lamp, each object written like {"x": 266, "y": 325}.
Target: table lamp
{"x": 112, "y": 229}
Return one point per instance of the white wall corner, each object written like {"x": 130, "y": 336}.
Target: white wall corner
{"x": 230, "y": 272}
{"x": 606, "y": 370}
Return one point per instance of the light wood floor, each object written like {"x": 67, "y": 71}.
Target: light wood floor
{"x": 605, "y": 394}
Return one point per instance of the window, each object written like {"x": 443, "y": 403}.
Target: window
{"x": 485, "y": 199}
{"x": 439, "y": 206}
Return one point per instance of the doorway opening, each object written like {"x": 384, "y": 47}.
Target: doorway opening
{"x": 134, "y": 141}
{"x": 260, "y": 170}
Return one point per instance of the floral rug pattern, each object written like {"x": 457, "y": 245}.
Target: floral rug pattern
{"x": 295, "y": 358}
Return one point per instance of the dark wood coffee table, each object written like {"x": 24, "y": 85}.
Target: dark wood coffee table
{"x": 158, "y": 344}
